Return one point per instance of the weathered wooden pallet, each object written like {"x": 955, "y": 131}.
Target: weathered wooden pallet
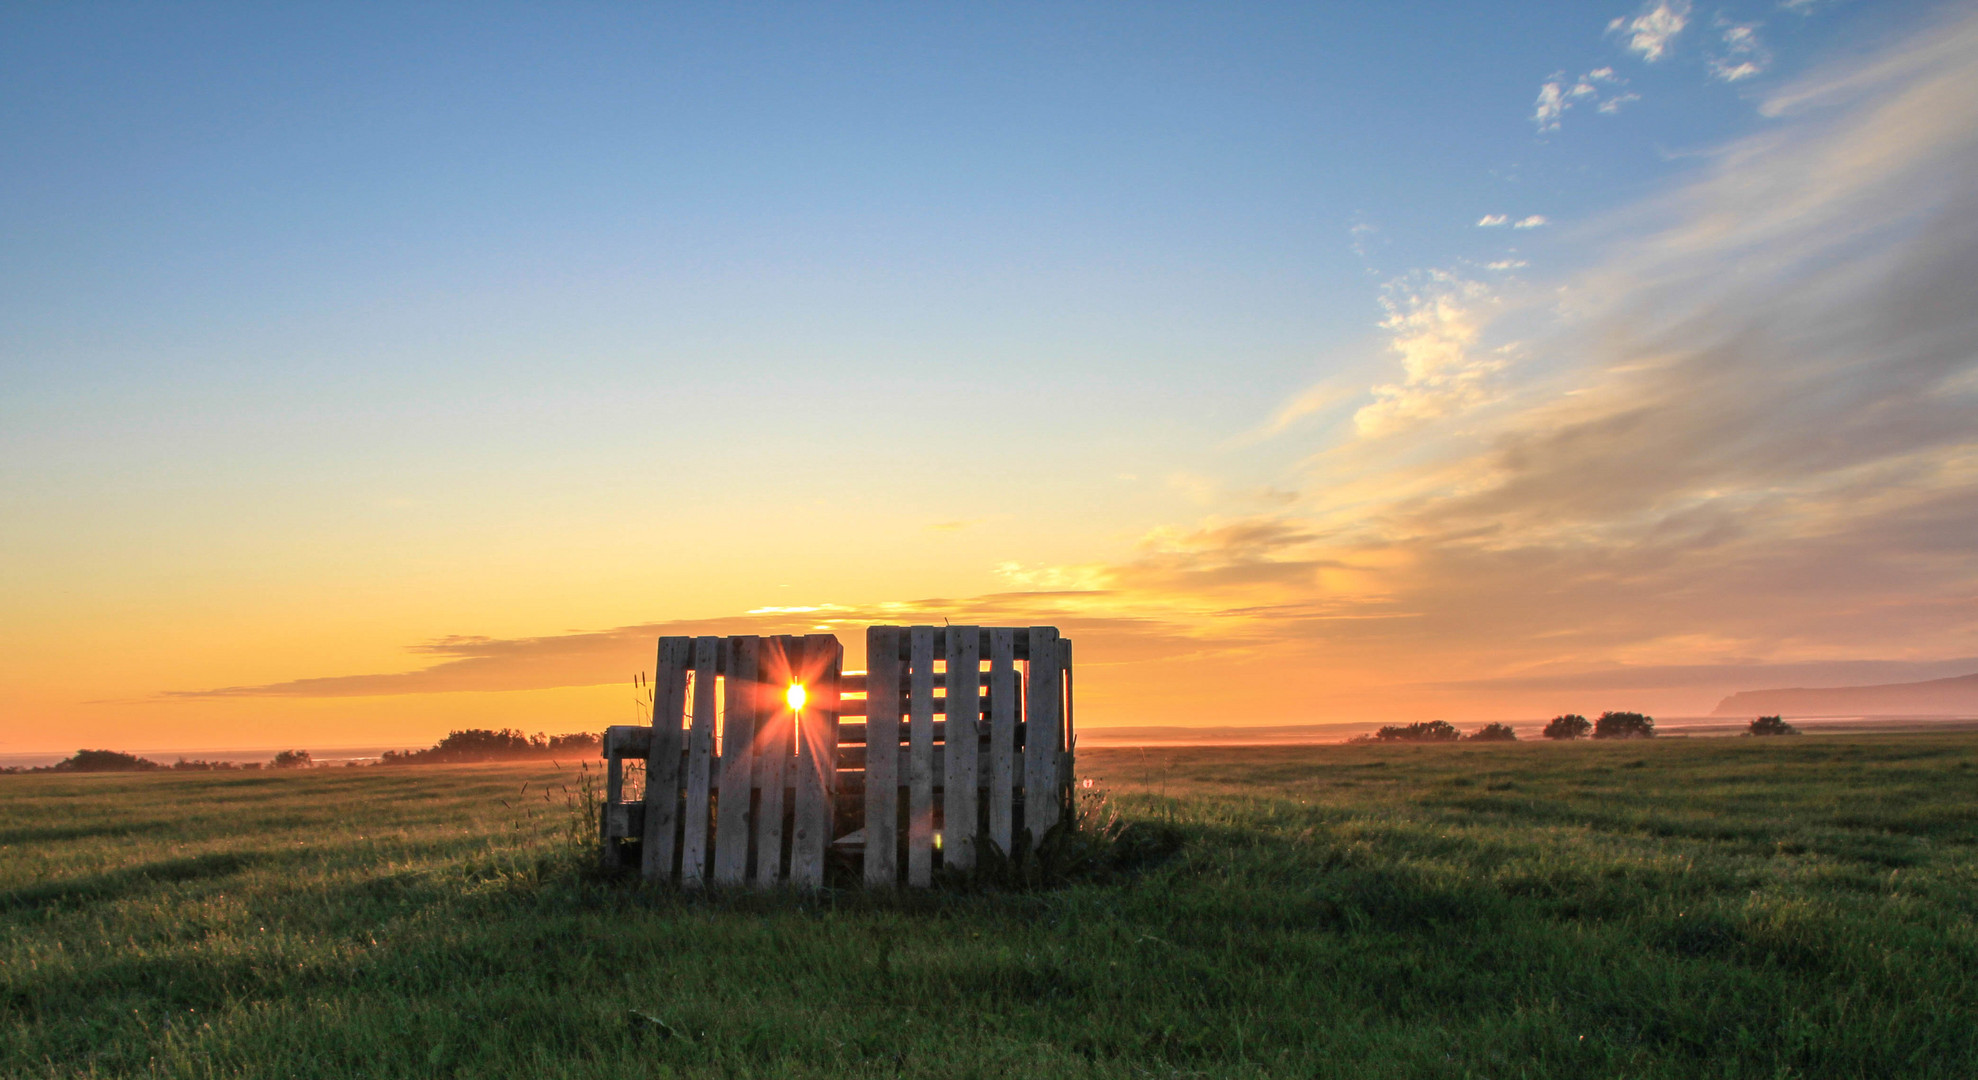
{"x": 900, "y": 792}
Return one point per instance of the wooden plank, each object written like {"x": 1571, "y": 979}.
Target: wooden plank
{"x": 700, "y": 754}
{"x": 625, "y": 820}
{"x": 882, "y": 723}
{"x": 958, "y": 775}
{"x": 614, "y": 792}
{"x": 817, "y": 756}
{"x": 920, "y": 756}
{"x": 743, "y": 694}
{"x": 662, "y": 818}
{"x": 1041, "y": 733}
{"x": 1002, "y": 734}
{"x": 1067, "y": 772}
{"x": 773, "y": 745}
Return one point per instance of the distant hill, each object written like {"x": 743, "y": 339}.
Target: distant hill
{"x": 1938, "y": 697}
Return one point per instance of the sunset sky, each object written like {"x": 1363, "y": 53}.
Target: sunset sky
{"x": 371, "y": 371}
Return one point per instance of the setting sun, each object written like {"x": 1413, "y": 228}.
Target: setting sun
{"x": 796, "y": 696}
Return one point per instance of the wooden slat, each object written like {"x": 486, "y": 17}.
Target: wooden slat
{"x": 1041, "y": 733}
{"x": 1067, "y": 770}
{"x": 963, "y": 707}
{"x": 663, "y": 759}
{"x": 817, "y": 757}
{"x": 882, "y": 724}
{"x": 920, "y": 756}
{"x": 1002, "y": 734}
{"x": 743, "y": 696}
{"x": 625, "y": 820}
{"x": 614, "y": 792}
{"x": 773, "y": 746}
{"x": 700, "y": 752}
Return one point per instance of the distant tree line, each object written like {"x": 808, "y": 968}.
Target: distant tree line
{"x": 1611, "y": 725}
{"x": 1439, "y": 731}
{"x": 95, "y": 761}
{"x": 474, "y": 744}
{"x": 508, "y": 744}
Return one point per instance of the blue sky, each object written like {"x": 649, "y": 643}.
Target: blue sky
{"x": 481, "y": 316}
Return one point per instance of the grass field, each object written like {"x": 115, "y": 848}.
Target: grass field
{"x": 1763, "y": 908}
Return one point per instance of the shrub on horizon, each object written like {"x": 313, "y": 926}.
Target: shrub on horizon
{"x": 1771, "y": 725}
{"x": 291, "y": 759}
{"x": 483, "y": 744}
{"x": 1569, "y": 726}
{"x": 104, "y": 761}
{"x": 1431, "y": 731}
{"x": 1624, "y": 725}
{"x": 1493, "y": 733}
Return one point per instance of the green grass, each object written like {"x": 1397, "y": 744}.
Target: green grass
{"x": 1774, "y": 908}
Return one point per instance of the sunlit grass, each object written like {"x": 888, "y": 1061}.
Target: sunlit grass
{"x": 1682, "y": 908}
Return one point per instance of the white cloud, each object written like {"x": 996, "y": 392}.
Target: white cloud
{"x": 1550, "y": 106}
{"x": 1559, "y": 94}
{"x": 1743, "y": 54}
{"x": 1435, "y": 321}
{"x": 1490, "y": 220}
{"x": 1652, "y": 32}
{"x": 1531, "y": 222}
{"x": 1507, "y": 264}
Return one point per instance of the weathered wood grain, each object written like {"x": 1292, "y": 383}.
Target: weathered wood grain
{"x": 662, "y": 799}
{"x": 882, "y": 723}
{"x": 817, "y": 758}
{"x": 920, "y": 756}
{"x": 1002, "y": 734}
{"x": 774, "y": 732}
{"x": 963, "y": 710}
{"x": 743, "y": 694}
{"x": 1042, "y": 729}
{"x": 700, "y": 754}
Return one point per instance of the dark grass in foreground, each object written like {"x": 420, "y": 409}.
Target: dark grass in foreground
{"x": 1678, "y": 908}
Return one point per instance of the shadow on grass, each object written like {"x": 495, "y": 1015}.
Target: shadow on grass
{"x": 132, "y": 881}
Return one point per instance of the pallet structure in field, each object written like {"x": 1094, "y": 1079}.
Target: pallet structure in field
{"x": 954, "y": 736}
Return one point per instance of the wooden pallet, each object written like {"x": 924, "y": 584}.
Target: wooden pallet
{"x": 898, "y": 792}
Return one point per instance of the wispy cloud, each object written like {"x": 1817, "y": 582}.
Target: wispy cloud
{"x": 1558, "y": 94}
{"x": 1742, "y": 55}
{"x": 1532, "y": 222}
{"x": 1492, "y": 220}
{"x": 1651, "y": 32}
